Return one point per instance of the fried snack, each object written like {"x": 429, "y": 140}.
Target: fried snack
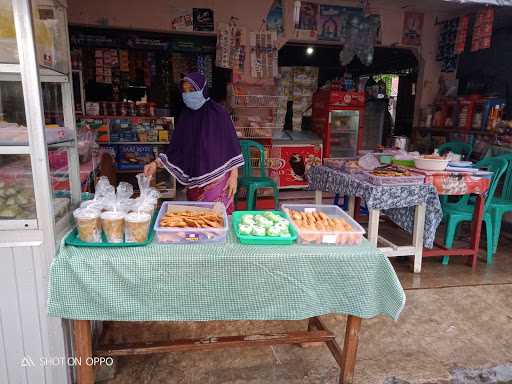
{"x": 390, "y": 171}
{"x": 192, "y": 219}
{"x": 318, "y": 221}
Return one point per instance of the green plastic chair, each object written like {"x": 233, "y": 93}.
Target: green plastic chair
{"x": 502, "y": 204}
{"x": 454, "y": 214}
{"x": 253, "y": 183}
{"x": 458, "y": 147}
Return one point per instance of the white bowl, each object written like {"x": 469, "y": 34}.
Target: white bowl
{"x": 431, "y": 164}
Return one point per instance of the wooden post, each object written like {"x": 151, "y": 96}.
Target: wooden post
{"x": 478, "y": 214}
{"x": 350, "y": 349}
{"x": 82, "y": 340}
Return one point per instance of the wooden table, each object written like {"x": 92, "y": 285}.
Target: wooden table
{"x": 316, "y": 332}
{"x": 467, "y": 184}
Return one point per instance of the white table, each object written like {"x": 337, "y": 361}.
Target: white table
{"x": 390, "y": 249}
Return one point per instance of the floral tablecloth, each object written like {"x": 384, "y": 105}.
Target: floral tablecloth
{"x": 456, "y": 183}
{"x": 397, "y": 202}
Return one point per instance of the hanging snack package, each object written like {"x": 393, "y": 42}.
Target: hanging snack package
{"x": 112, "y": 223}
{"x": 137, "y": 227}
{"x": 88, "y": 224}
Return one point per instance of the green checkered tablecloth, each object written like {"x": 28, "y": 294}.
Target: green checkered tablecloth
{"x": 222, "y": 282}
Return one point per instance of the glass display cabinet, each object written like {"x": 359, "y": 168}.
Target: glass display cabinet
{"x": 39, "y": 168}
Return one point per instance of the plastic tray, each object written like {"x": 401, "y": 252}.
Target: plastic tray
{"x": 191, "y": 235}
{"x": 262, "y": 240}
{"x": 392, "y": 180}
{"x": 74, "y": 240}
{"x": 309, "y": 237}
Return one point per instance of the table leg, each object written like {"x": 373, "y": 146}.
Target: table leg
{"x": 476, "y": 228}
{"x": 417, "y": 236}
{"x": 350, "y": 344}
{"x": 318, "y": 197}
{"x": 82, "y": 340}
{"x": 351, "y": 205}
{"x": 373, "y": 225}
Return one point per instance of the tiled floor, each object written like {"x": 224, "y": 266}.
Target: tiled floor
{"x": 453, "y": 318}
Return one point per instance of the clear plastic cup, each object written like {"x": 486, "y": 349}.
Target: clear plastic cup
{"x": 112, "y": 223}
{"x": 136, "y": 227}
{"x": 88, "y": 224}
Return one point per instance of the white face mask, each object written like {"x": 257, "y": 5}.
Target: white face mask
{"x": 194, "y": 100}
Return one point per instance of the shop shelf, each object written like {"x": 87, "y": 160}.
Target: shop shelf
{"x": 325, "y": 237}
{"x": 191, "y": 235}
{"x": 258, "y": 101}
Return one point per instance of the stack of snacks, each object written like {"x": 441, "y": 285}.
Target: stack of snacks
{"x": 266, "y": 224}
{"x": 186, "y": 222}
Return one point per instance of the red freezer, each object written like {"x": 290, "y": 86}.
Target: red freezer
{"x": 338, "y": 118}
{"x": 289, "y": 163}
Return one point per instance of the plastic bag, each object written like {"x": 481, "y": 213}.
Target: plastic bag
{"x": 149, "y": 196}
{"x": 368, "y": 162}
{"x": 104, "y": 192}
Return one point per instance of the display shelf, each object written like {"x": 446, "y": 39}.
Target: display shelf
{"x": 99, "y": 117}
{"x": 456, "y": 130}
{"x": 134, "y": 142}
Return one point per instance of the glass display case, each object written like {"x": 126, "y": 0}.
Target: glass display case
{"x": 39, "y": 168}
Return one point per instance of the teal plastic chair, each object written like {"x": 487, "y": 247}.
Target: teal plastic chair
{"x": 502, "y": 204}
{"x": 458, "y": 147}
{"x": 253, "y": 183}
{"x": 454, "y": 214}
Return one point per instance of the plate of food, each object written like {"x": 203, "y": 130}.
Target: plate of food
{"x": 431, "y": 162}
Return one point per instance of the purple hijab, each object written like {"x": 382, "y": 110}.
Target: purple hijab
{"x": 204, "y": 145}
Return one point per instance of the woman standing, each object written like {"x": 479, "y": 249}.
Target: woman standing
{"x": 204, "y": 153}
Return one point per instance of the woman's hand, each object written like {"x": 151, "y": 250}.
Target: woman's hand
{"x": 232, "y": 183}
{"x": 150, "y": 169}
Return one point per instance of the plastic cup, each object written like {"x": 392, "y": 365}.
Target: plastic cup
{"x": 88, "y": 224}
{"x": 112, "y": 223}
{"x": 136, "y": 227}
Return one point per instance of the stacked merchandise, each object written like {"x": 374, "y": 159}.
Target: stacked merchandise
{"x": 299, "y": 83}
{"x": 256, "y": 110}
{"x": 482, "y": 30}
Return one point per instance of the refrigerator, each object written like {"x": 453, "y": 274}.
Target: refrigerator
{"x": 290, "y": 156}
{"x": 338, "y": 118}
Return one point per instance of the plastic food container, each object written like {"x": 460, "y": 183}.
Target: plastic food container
{"x": 403, "y": 163}
{"x": 262, "y": 240}
{"x": 167, "y": 235}
{"x": 392, "y": 180}
{"x": 431, "y": 164}
{"x": 311, "y": 237}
